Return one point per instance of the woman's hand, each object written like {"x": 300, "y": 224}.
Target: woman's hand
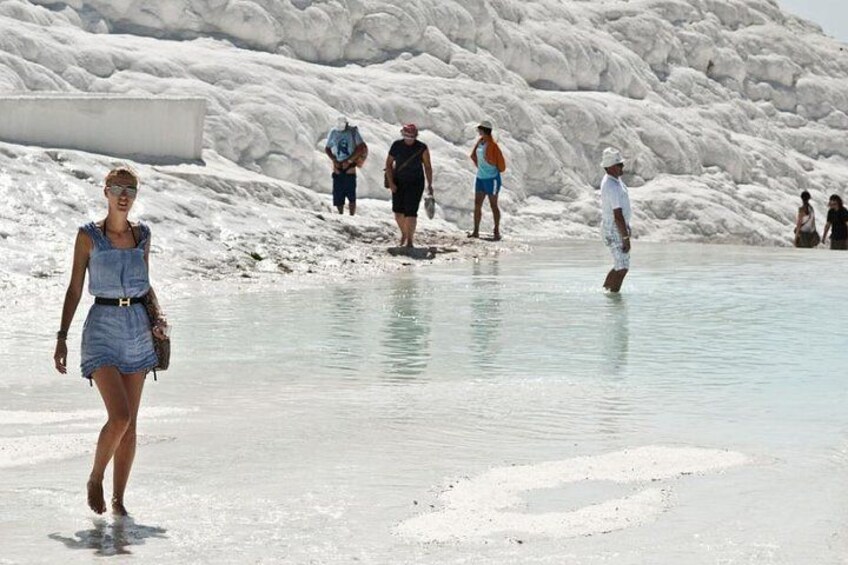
{"x": 160, "y": 329}
{"x": 60, "y": 357}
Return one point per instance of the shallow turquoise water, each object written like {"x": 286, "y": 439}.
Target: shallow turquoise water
{"x": 320, "y": 419}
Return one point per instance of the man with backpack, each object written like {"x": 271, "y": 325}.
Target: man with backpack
{"x": 347, "y": 151}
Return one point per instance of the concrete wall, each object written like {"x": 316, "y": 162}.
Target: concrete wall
{"x": 155, "y": 129}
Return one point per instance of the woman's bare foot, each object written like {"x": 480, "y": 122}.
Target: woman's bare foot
{"x": 95, "y": 496}
{"x": 118, "y": 508}
{"x": 496, "y": 236}
{"x": 474, "y": 234}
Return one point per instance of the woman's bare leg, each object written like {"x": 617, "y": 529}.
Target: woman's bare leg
{"x": 411, "y": 224}
{"x": 496, "y": 215}
{"x": 401, "y": 222}
{"x": 111, "y": 387}
{"x": 479, "y": 197}
{"x": 125, "y": 453}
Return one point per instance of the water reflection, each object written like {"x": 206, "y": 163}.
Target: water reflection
{"x": 345, "y": 334}
{"x": 615, "y": 409}
{"x": 486, "y": 315}
{"x": 111, "y": 539}
{"x": 406, "y": 336}
{"x": 615, "y": 339}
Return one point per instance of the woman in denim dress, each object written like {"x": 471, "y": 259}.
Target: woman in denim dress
{"x": 117, "y": 339}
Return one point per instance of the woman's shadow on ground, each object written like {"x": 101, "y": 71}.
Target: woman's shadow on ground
{"x": 107, "y": 539}
{"x": 420, "y": 253}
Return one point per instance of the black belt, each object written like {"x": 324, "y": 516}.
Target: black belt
{"x": 122, "y": 302}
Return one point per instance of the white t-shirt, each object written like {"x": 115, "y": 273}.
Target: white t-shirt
{"x": 614, "y": 195}
{"x": 808, "y": 221}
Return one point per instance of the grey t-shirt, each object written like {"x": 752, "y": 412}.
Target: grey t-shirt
{"x": 342, "y": 143}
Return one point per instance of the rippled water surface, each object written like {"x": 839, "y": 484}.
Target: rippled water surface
{"x": 303, "y": 427}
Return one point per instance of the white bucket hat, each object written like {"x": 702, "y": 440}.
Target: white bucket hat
{"x": 485, "y": 124}
{"x": 611, "y": 158}
{"x": 341, "y": 122}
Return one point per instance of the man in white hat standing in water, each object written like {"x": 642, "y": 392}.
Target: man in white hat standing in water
{"x": 615, "y": 218}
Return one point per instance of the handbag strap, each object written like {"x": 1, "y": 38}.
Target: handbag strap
{"x": 408, "y": 161}
{"x": 811, "y": 220}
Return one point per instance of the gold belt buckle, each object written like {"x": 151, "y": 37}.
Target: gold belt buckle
{"x": 124, "y": 302}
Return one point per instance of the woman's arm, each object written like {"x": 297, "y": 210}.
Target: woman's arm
{"x": 82, "y": 251}
{"x": 798, "y": 220}
{"x": 826, "y": 229}
{"x": 428, "y": 169}
{"x": 160, "y": 323}
{"x": 390, "y": 172}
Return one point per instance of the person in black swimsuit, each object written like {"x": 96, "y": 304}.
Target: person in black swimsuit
{"x": 407, "y": 167}
{"x": 837, "y": 218}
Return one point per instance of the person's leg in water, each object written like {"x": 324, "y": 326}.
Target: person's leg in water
{"x": 114, "y": 394}
{"x": 125, "y": 453}
{"x": 496, "y": 215}
{"x": 479, "y": 197}
{"x": 352, "y": 207}
{"x": 411, "y": 224}
{"x": 609, "y": 280}
{"x": 614, "y": 280}
{"x": 621, "y": 264}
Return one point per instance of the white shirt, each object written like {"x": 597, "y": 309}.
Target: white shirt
{"x": 808, "y": 221}
{"x": 614, "y": 195}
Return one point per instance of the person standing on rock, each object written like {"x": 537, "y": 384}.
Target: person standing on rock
{"x": 117, "y": 339}
{"x": 346, "y": 151}
{"x": 490, "y": 164}
{"x": 806, "y": 235}
{"x": 837, "y": 218}
{"x": 407, "y": 166}
{"x": 615, "y": 218}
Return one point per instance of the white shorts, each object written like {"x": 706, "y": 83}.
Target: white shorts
{"x": 621, "y": 260}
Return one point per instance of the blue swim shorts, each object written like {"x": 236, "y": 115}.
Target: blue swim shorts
{"x": 489, "y": 186}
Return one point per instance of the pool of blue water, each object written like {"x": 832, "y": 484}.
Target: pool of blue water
{"x": 314, "y": 421}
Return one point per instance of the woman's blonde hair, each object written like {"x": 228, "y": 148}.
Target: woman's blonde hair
{"x": 123, "y": 173}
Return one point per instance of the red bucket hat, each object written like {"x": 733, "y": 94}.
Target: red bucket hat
{"x": 409, "y": 130}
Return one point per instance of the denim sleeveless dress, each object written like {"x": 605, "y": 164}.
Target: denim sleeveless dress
{"x": 115, "y": 335}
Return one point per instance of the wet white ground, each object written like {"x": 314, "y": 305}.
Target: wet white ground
{"x": 501, "y": 411}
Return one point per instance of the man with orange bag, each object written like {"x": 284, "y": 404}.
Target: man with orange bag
{"x": 490, "y": 164}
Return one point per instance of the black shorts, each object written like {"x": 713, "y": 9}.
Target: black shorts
{"x": 344, "y": 187}
{"x": 407, "y": 198}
